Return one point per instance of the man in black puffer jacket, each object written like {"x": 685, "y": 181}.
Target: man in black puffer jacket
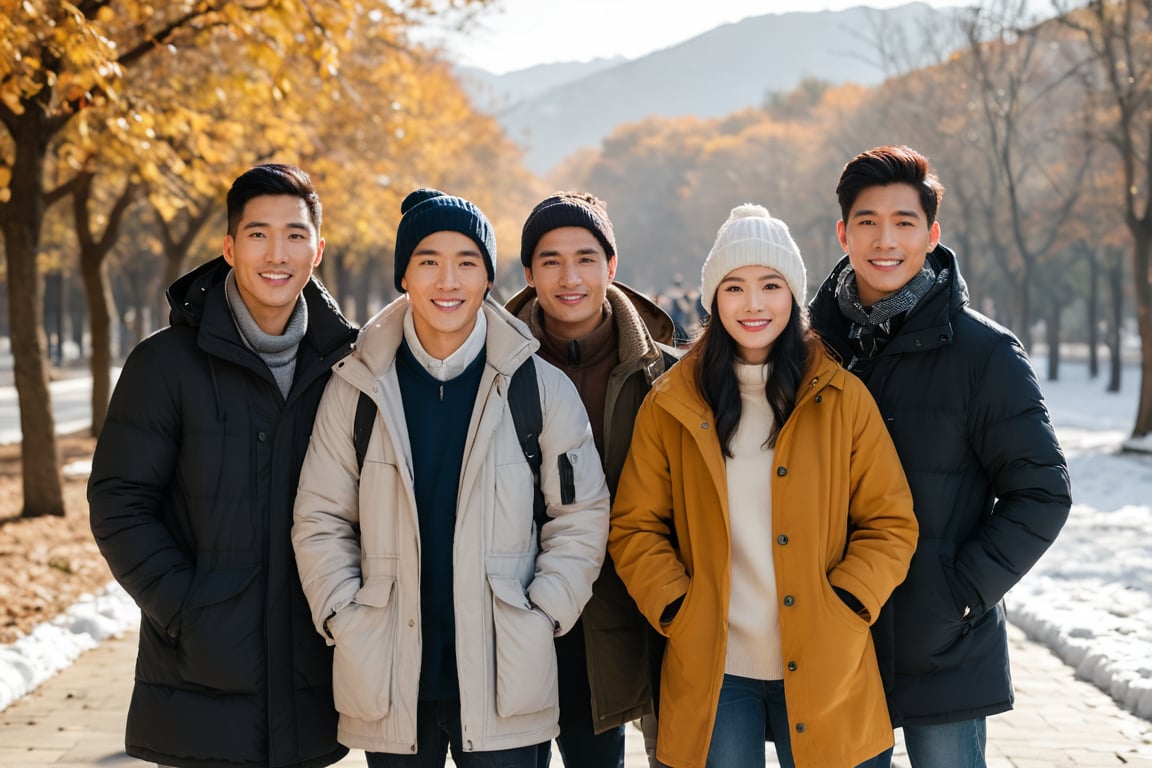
{"x": 192, "y": 487}
{"x": 988, "y": 478}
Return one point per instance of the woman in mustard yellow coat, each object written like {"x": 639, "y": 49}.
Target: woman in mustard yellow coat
{"x": 761, "y": 520}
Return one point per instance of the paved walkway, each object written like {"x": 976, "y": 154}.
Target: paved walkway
{"x": 76, "y": 719}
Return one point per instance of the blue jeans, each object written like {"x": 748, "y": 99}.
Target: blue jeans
{"x": 437, "y": 729}
{"x": 947, "y": 745}
{"x": 739, "y": 731}
{"x": 579, "y": 746}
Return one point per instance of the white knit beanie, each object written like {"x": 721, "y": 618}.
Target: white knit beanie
{"x": 751, "y": 236}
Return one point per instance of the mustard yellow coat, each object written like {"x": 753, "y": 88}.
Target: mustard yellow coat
{"x": 841, "y": 516}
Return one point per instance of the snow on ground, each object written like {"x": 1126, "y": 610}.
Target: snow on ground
{"x": 53, "y": 645}
{"x": 1089, "y": 598}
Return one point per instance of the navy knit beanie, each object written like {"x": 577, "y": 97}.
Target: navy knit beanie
{"x": 567, "y": 209}
{"x": 426, "y": 211}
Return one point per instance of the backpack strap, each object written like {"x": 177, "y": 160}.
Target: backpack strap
{"x": 524, "y": 402}
{"x": 362, "y": 427}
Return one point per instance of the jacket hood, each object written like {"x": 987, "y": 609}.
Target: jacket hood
{"x": 928, "y": 324}
{"x": 189, "y": 295}
{"x": 655, "y": 319}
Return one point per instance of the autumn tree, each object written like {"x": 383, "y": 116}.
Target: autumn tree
{"x": 63, "y": 62}
{"x": 1037, "y": 158}
{"x": 1118, "y": 36}
{"x": 642, "y": 173}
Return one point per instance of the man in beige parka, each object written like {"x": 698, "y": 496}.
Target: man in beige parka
{"x": 425, "y": 569}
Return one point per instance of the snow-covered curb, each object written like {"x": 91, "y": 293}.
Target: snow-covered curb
{"x": 53, "y": 645}
{"x": 1107, "y": 650}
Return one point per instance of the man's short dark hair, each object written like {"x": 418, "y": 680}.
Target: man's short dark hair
{"x": 881, "y": 166}
{"x": 272, "y": 179}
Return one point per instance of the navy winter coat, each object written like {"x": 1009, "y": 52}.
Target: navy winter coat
{"x": 990, "y": 487}
{"x": 191, "y": 494}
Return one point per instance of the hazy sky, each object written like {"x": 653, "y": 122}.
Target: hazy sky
{"x": 514, "y": 34}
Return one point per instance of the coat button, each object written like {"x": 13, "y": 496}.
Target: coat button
{"x": 819, "y": 398}
{"x": 261, "y": 436}
{"x": 917, "y": 343}
{"x": 781, "y": 539}
{"x": 781, "y": 471}
{"x": 791, "y": 666}
{"x": 800, "y": 727}
{"x": 411, "y": 622}
{"x": 789, "y": 600}
{"x": 943, "y": 337}
{"x": 703, "y": 425}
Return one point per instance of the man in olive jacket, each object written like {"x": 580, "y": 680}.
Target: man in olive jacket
{"x": 612, "y": 343}
{"x": 192, "y": 486}
{"x": 988, "y": 478}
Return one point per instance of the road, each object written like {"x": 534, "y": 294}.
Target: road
{"x": 71, "y": 405}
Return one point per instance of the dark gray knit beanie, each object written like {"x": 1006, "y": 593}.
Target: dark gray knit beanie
{"x": 567, "y": 209}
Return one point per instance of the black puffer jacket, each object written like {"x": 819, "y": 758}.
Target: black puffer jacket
{"x": 191, "y": 494}
{"x": 990, "y": 486}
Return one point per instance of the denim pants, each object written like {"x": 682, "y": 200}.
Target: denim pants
{"x": 437, "y": 729}
{"x": 580, "y": 746}
{"x": 739, "y": 731}
{"x": 947, "y": 745}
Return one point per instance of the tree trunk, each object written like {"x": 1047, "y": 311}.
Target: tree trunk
{"x": 1093, "y": 313}
{"x": 1024, "y": 329}
{"x": 1052, "y": 336}
{"x": 97, "y": 295}
{"x": 1115, "y": 322}
{"x": 21, "y": 219}
{"x": 1142, "y": 281}
{"x": 94, "y": 250}
{"x": 363, "y": 292}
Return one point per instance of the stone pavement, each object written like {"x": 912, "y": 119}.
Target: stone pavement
{"x": 76, "y": 719}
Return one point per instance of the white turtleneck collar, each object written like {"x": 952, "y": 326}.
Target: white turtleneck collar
{"x": 453, "y": 365}
{"x": 752, "y": 376}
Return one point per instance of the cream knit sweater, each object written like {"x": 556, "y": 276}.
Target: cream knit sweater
{"x": 753, "y": 619}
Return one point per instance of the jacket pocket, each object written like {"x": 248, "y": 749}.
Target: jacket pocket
{"x": 365, "y": 651}
{"x": 221, "y": 643}
{"x": 525, "y": 653}
{"x": 849, "y": 617}
{"x": 926, "y": 618}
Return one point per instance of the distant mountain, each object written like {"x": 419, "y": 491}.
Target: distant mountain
{"x": 719, "y": 72}
{"x": 497, "y": 93}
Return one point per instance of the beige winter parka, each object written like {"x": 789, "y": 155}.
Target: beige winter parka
{"x": 841, "y": 517}
{"x": 356, "y": 537}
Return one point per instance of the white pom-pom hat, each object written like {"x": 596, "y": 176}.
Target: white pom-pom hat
{"x": 752, "y": 237}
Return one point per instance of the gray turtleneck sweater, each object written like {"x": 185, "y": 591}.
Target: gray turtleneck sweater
{"x": 277, "y": 352}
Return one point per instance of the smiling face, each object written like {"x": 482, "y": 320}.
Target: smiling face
{"x": 446, "y": 282}
{"x": 887, "y": 237}
{"x": 754, "y": 304}
{"x": 274, "y": 252}
{"x": 571, "y": 275}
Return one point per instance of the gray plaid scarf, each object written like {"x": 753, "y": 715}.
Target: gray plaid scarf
{"x": 872, "y": 326}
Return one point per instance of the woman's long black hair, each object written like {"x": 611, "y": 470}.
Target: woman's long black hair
{"x": 716, "y": 375}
